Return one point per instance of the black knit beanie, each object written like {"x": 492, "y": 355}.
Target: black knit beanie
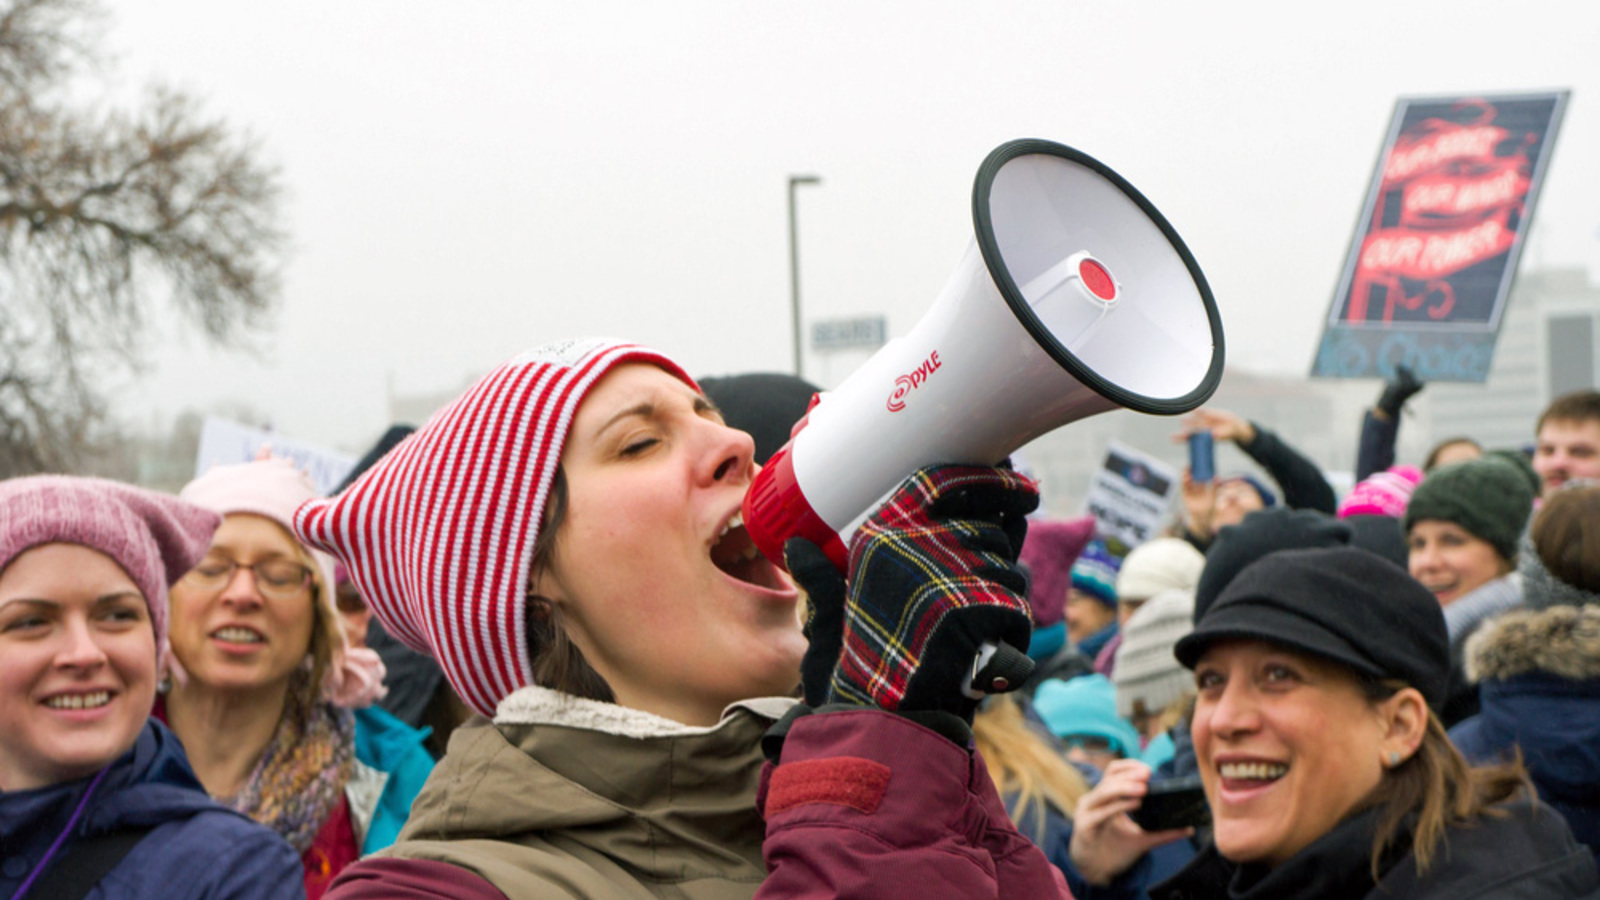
{"x": 1263, "y": 531}
{"x": 764, "y": 404}
{"x": 1487, "y": 496}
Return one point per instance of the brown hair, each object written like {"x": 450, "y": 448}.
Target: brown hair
{"x": 1578, "y": 406}
{"x": 1021, "y": 762}
{"x": 1566, "y": 533}
{"x": 1429, "y": 464}
{"x": 1437, "y": 787}
{"x": 558, "y": 664}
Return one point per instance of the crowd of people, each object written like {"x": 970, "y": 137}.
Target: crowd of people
{"x": 529, "y": 650}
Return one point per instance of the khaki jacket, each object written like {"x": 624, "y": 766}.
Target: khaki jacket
{"x": 561, "y": 797}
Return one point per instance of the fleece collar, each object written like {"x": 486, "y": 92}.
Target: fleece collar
{"x": 534, "y": 705}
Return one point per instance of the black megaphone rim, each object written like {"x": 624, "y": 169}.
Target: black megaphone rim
{"x": 990, "y": 248}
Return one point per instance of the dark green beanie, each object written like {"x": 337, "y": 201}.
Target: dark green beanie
{"x": 1520, "y": 460}
{"x": 1488, "y": 496}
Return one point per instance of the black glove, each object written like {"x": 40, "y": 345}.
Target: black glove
{"x": 825, "y": 599}
{"x": 933, "y": 578}
{"x": 1402, "y": 387}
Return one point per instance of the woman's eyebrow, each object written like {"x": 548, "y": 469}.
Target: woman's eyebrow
{"x": 645, "y": 410}
{"x": 30, "y": 601}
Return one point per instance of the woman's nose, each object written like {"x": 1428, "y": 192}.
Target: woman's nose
{"x": 80, "y": 650}
{"x": 730, "y": 454}
{"x": 1234, "y": 712}
{"x": 241, "y": 589}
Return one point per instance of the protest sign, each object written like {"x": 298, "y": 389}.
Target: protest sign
{"x": 1130, "y": 494}
{"x": 223, "y": 442}
{"x": 1426, "y": 278}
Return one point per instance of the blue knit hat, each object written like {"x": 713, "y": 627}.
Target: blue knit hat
{"x": 1095, "y": 573}
{"x": 1267, "y": 495}
{"x": 1085, "y": 705}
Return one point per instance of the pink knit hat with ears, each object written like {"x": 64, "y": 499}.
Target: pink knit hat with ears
{"x": 155, "y": 538}
{"x": 1385, "y": 493}
{"x": 1049, "y": 550}
{"x": 438, "y": 535}
{"x": 272, "y": 487}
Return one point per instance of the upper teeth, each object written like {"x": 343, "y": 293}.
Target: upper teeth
{"x": 238, "y": 635}
{"x": 79, "y": 701}
{"x": 735, "y": 522}
{"x": 1253, "y": 771}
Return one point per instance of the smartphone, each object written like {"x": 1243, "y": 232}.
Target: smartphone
{"x": 1175, "y": 803}
{"x": 1202, "y": 457}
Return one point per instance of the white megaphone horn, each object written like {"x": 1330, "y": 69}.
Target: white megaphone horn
{"x": 1076, "y": 297}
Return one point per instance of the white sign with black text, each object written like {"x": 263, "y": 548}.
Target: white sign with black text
{"x": 1130, "y": 493}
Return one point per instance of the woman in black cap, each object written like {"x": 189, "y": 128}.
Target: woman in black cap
{"x": 1327, "y": 773}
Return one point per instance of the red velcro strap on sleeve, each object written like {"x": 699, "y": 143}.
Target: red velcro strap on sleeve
{"x": 844, "y": 780}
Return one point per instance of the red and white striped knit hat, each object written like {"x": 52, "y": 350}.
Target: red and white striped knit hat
{"x": 438, "y": 534}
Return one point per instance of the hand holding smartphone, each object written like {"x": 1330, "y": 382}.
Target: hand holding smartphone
{"x": 1202, "y": 457}
{"x": 1175, "y": 803}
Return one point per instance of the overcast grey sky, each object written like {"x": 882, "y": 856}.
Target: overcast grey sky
{"x": 471, "y": 179}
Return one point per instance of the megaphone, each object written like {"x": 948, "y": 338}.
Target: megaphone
{"x": 1075, "y": 297}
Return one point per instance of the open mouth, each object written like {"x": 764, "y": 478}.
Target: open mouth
{"x": 1244, "y": 776}
{"x": 736, "y": 554}
{"x": 236, "y": 634}
{"x": 91, "y": 700}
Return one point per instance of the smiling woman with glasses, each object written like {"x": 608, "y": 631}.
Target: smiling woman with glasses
{"x": 262, "y": 675}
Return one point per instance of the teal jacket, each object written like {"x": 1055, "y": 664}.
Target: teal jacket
{"x": 396, "y": 764}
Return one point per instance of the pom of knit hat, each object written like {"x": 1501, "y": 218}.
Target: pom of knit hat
{"x": 1160, "y": 564}
{"x": 155, "y": 538}
{"x": 438, "y": 535}
{"x": 1146, "y": 673}
{"x": 1049, "y": 550}
{"x": 1262, "y": 532}
{"x": 1487, "y": 496}
{"x": 1095, "y": 573}
{"x": 1085, "y": 705}
{"x": 1383, "y": 493}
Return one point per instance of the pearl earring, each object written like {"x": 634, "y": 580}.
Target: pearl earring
{"x": 1394, "y": 758}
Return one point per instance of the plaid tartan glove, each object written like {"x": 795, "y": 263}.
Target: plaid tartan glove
{"x": 825, "y": 601}
{"x": 933, "y": 578}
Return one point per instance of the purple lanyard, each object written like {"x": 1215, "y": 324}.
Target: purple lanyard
{"x": 60, "y": 838}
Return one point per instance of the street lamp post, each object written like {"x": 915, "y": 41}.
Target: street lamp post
{"x": 794, "y": 263}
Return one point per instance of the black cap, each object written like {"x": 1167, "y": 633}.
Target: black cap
{"x": 1343, "y": 604}
{"x": 1263, "y": 531}
{"x": 764, "y": 404}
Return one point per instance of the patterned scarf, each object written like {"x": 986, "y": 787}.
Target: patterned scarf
{"x": 302, "y": 772}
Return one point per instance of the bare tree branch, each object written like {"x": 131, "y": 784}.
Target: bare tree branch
{"x": 102, "y": 217}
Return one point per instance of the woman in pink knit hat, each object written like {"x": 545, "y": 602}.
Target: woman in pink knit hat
{"x": 96, "y": 798}
{"x": 565, "y": 539}
{"x": 263, "y": 678}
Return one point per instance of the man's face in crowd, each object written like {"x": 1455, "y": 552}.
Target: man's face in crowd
{"x": 1567, "y": 449}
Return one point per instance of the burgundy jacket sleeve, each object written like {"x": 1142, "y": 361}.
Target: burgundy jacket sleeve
{"x": 381, "y": 878}
{"x": 867, "y": 804}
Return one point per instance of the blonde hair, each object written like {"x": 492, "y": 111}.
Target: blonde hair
{"x": 326, "y": 630}
{"x": 1438, "y": 787}
{"x": 1023, "y": 763}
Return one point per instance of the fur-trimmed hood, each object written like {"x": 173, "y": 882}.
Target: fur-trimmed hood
{"x": 1562, "y": 640}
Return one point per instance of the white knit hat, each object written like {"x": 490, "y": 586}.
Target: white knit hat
{"x": 1162, "y": 564}
{"x": 1145, "y": 669}
{"x": 438, "y": 535}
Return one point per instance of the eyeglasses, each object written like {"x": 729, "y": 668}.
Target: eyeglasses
{"x": 279, "y": 579}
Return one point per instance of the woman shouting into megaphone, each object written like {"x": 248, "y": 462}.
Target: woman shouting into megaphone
{"x": 565, "y": 539}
